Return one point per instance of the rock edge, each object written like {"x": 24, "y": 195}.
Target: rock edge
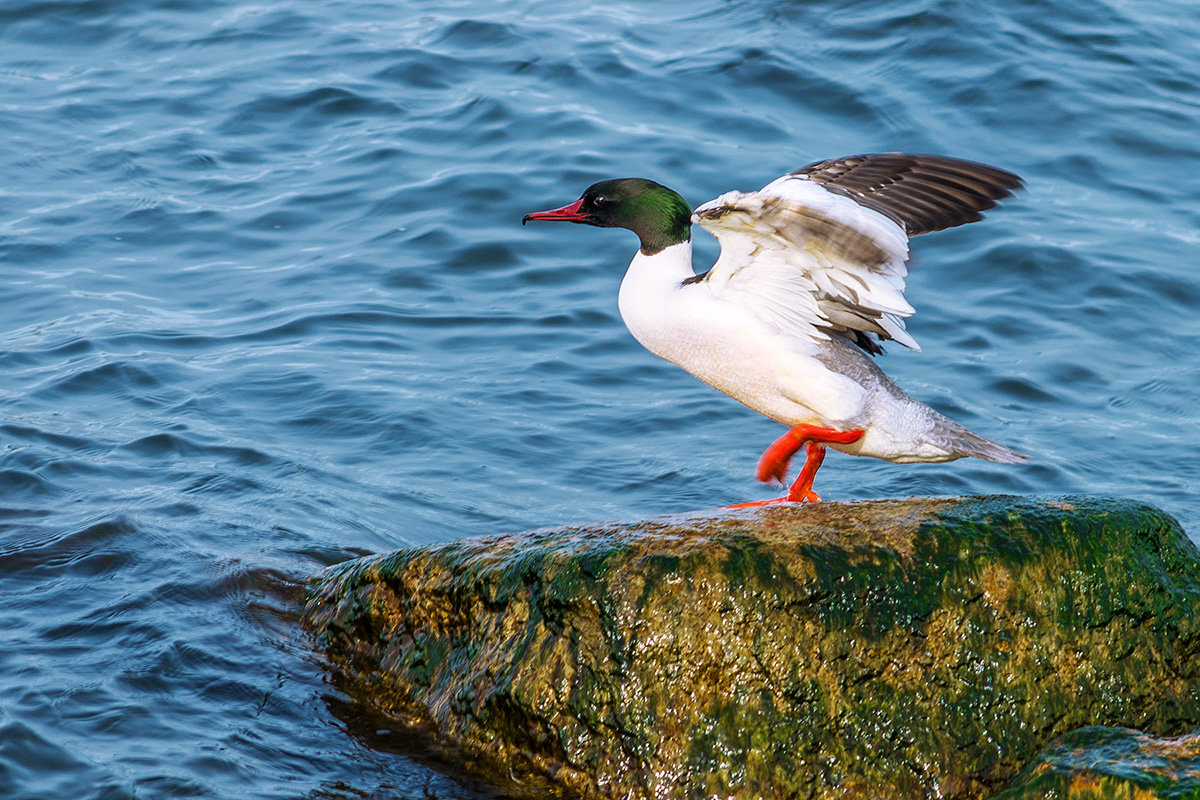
{"x": 912, "y": 648}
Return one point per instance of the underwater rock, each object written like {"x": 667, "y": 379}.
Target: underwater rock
{"x": 912, "y": 648}
{"x": 1097, "y": 763}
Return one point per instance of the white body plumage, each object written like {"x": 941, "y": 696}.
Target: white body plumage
{"x": 758, "y": 326}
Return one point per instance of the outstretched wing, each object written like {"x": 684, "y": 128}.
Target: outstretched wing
{"x": 823, "y": 249}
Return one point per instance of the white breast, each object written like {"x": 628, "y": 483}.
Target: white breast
{"x": 727, "y": 346}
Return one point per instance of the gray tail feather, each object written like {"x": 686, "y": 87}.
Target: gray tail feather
{"x": 963, "y": 442}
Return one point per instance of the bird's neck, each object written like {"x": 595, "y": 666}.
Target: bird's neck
{"x": 670, "y": 266}
{"x": 648, "y": 290}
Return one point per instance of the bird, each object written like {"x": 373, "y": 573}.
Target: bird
{"x": 809, "y": 283}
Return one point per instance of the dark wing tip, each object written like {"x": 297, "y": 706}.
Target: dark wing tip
{"x": 924, "y": 193}
{"x": 869, "y": 344}
{"x": 711, "y": 212}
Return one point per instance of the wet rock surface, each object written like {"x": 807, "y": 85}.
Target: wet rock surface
{"x": 1097, "y": 763}
{"x": 911, "y": 648}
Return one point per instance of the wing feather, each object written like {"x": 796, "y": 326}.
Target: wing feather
{"x": 822, "y": 250}
{"x": 957, "y": 190}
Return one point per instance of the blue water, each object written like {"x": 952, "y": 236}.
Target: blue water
{"x": 266, "y": 304}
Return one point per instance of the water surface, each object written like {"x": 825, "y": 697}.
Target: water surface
{"x": 266, "y": 304}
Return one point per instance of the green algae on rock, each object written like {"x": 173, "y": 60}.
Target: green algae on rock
{"x": 1097, "y": 763}
{"x": 911, "y": 648}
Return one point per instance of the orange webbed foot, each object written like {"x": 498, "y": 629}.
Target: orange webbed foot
{"x": 808, "y": 497}
{"x": 773, "y": 464}
{"x": 757, "y": 503}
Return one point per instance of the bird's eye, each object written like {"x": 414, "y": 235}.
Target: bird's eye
{"x": 599, "y": 200}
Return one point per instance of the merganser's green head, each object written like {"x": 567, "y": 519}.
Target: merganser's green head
{"x": 658, "y": 215}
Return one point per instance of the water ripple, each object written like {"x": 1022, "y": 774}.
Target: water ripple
{"x": 268, "y": 305}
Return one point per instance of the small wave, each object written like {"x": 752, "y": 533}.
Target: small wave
{"x": 326, "y": 105}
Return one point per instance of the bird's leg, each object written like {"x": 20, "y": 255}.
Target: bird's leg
{"x": 774, "y": 462}
{"x": 802, "y": 491}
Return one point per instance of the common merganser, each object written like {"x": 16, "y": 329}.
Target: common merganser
{"x": 810, "y": 280}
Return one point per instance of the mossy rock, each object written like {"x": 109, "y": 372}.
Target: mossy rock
{"x": 903, "y": 649}
{"x": 1097, "y": 763}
